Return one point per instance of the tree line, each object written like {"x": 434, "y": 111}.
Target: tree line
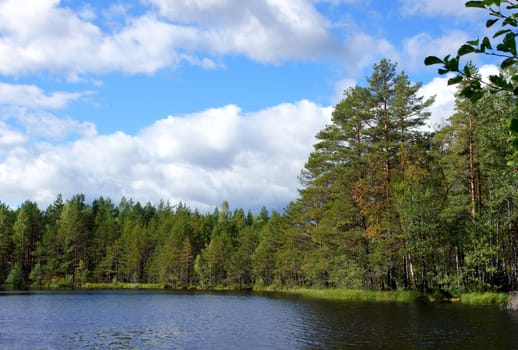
{"x": 384, "y": 204}
{"x": 72, "y": 243}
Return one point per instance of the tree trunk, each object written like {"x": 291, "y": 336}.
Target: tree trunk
{"x": 472, "y": 180}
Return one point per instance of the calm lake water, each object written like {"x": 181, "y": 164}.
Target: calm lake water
{"x": 172, "y": 320}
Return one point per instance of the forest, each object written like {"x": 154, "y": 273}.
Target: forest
{"x": 384, "y": 204}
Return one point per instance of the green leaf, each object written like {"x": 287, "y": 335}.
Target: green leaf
{"x": 490, "y": 22}
{"x": 500, "y": 32}
{"x": 513, "y": 125}
{"x": 473, "y": 91}
{"x": 510, "y": 42}
{"x": 453, "y": 64}
{"x": 473, "y": 42}
{"x": 508, "y": 62}
{"x": 479, "y": 4}
{"x": 467, "y": 71}
{"x": 499, "y": 81}
{"x": 455, "y": 80}
{"x": 465, "y": 49}
{"x": 430, "y": 60}
{"x": 509, "y": 21}
{"x": 467, "y": 92}
{"x": 476, "y": 96}
{"x": 486, "y": 44}
{"x": 443, "y": 71}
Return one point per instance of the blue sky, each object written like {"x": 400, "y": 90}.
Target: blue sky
{"x": 197, "y": 101}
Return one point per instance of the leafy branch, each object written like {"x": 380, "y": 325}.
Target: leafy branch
{"x": 502, "y": 45}
{"x": 506, "y": 49}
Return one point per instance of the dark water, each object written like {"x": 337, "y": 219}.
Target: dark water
{"x": 166, "y": 320}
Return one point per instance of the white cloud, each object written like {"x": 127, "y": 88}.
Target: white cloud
{"x": 340, "y": 87}
{"x": 9, "y": 137}
{"x": 47, "y": 125}
{"x": 28, "y": 106}
{"x": 336, "y": 2}
{"x": 487, "y": 70}
{"x": 34, "y": 97}
{"x": 203, "y": 139}
{"x": 60, "y": 40}
{"x": 364, "y": 49}
{"x": 21, "y": 125}
{"x": 267, "y": 31}
{"x": 435, "y": 7}
{"x": 444, "y": 104}
{"x": 422, "y": 45}
{"x": 167, "y": 32}
{"x": 40, "y": 35}
{"x": 250, "y": 159}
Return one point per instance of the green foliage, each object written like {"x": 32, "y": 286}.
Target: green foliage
{"x": 351, "y": 184}
{"x": 503, "y": 12}
{"x": 26, "y": 233}
{"x": 211, "y": 263}
{"x": 346, "y": 273}
{"x": 240, "y": 266}
{"x": 357, "y": 295}
{"x": 15, "y": 279}
{"x": 384, "y": 207}
{"x": 36, "y": 276}
{"x": 119, "y": 286}
{"x": 484, "y": 298}
{"x": 72, "y": 238}
{"x": 501, "y": 45}
{"x": 7, "y": 218}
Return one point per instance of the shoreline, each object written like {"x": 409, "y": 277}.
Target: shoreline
{"x": 354, "y": 295}
{"x": 401, "y": 296}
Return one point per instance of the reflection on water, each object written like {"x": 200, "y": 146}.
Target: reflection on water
{"x": 168, "y": 320}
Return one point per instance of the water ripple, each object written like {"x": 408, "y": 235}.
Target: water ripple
{"x": 151, "y": 320}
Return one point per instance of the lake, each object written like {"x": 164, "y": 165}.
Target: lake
{"x": 184, "y": 320}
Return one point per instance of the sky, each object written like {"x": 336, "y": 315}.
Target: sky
{"x": 197, "y": 101}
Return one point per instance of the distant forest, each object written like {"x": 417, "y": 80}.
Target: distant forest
{"x": 383, "y": 205}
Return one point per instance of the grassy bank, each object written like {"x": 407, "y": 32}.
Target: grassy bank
{"x": 354, "y": 295}
{"x": 115, "y": 286}
{"x": 484, "y": 298}
{"x": 150, "y": 286}
{"x": 488, "y": 298}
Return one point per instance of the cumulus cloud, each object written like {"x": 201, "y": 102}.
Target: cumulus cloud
{"x": 444, "y": 104}
{"x": 10, "y": 137}
{"x": 336, "y": 2}
{"x": 365, "y": 49}
{"x": 29, "y": 107}
{"x": 250, "y": 159}
{"x": 34, "y": 97}
{"x": 487, "y": 70}
{"x": 340, "y": 87}
{"x": 421, "y": 45}
{"x": 165, "y": 33}
{"x": 61, "y": 40}
{"x": 435, "y": 7}
{"x": 41, "y": 124}
{"x": 266, "y": 31}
